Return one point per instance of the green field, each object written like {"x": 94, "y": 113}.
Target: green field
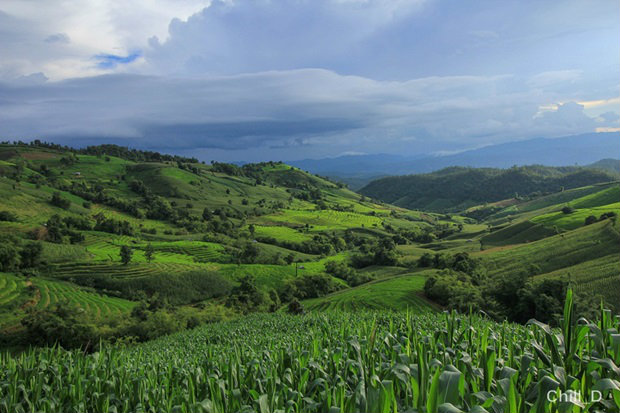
{"x": 360, "y": 361}
{"x": 401, "y": 292}
{"x": 323, "y": 220}
{"x": 54, "y": 292}
{"x": 576, "y": 218}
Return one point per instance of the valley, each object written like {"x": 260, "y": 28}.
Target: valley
{"x": 148, "y": 254}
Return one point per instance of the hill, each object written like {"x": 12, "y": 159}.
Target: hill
{"x": 459, "y": 188}
{"x": 144, "y": 263}
{"x": 191, "y": 232}
{"x": 608, "y": 164}
{"x": 145, "y": 244}
{"x": 569, "y": 150}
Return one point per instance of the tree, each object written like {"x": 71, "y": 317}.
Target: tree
{"x": 249, "y": 252}
{"x": 567, "y": 210}
{"x": 148, "y": 252}
{"x": 126, "y": 253}
{"x": 590, "y": 220}
{"x": 206, "y": 214}
{"x": 59, "y": 201}
{"x": 9, "y": 256}
{"x": 31, "y": 254}
{"x": 295, "y": 307}
{"x": 252, "y": 230}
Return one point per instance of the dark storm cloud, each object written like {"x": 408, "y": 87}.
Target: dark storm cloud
{"x": 284, "y": 109}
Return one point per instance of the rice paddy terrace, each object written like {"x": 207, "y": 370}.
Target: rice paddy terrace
{"x": 291, "y": 218}
{"x": 281, "y": 211}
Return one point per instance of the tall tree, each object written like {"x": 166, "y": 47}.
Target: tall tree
{"x": 126, "y": 253}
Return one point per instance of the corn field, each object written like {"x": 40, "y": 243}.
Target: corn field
{"x": 334, "y": 362}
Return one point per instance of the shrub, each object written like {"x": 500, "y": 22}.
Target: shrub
{"x": 567, "y": 210}
{"x": 7, "y": 216}
{"x": 59, "y": 201}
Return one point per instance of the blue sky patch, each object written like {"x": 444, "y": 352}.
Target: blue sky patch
{"x": 110, "y": 61}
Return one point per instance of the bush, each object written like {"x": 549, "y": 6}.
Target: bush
{"x": 590, "y": 220}
{"x": 59, "y": 201}
{"x": 308, "y": 286}
{"x": 9, "y": 257}
{"x": 295, "y": 307}
{"x": 567, "y": 210}
{"x": 66, "y": 324}
{"x": 8, "y": 216}
{"x": 247, "y": 298}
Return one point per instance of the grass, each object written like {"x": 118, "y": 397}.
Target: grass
{"x": 323, "y": 219}
{"x": 281, "y": 232}
{"x": 556, "y": 252}
{"x": 11, "y": 289}
{"x": 521, "y": 232}
{"x": 576, "y": 218}
{"x": 394, "y": 293}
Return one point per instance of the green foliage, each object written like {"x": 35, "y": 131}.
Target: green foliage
{"x": 59, "y": 201}
{"x": 246, "y": 297}
{"x": 65, "y": 324}
{"x": 8, "y": 216}
{"x": 308, "y": 286}
{"x": 126, "y": 253}
{"x": 352, "y": 362}
{"x": 148, "y": 252}
{"x": 460, "y": 188}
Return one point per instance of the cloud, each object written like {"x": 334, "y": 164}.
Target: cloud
{"x": 58, "y": 38}
{"x": 319, "y": 110}
{"x": 249, "y": 36}
{"x": 567, "y": 118}
{"x": 320, "y": 77}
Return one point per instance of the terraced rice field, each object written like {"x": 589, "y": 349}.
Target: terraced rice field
{"x": 180, "y": 252}
{"x": 397, "y": 293}
{"x": 76, "y": 270}
{"x": 281, "y": 233}
{"x": 53, "y": 292}
{"x": 11, "y": 287}
{"x": 200, "y": 251}
{"x": 324, "y": 219}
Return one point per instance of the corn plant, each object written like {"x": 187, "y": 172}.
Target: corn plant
{"x": 334, "y": 362}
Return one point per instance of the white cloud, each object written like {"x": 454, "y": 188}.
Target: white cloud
{"x": 248, "y": 36}
{"x": 59, "y": 37}
{"x": 311, "y": 107}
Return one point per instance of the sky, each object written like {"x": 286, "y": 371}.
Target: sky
{"x": 250, "y": 80}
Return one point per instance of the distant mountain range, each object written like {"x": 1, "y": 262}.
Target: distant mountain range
{"x": 358, "y": 170}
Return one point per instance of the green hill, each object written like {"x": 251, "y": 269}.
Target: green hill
{"x": 458, "y": 188}
{"x": 209, "y": 242}
{"x": 399, "y": 292}
{"x": 205, "y": 228}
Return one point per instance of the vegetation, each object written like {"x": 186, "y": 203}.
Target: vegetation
{"x": 105, "y": 249}
{"x": 459, "y": 188}
{"x": 375, "y": 362}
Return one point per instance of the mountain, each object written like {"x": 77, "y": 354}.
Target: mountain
{"x": 609, "y": 165}
{"x": 457, "y": 188}
{"x": 570, "y": 150}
